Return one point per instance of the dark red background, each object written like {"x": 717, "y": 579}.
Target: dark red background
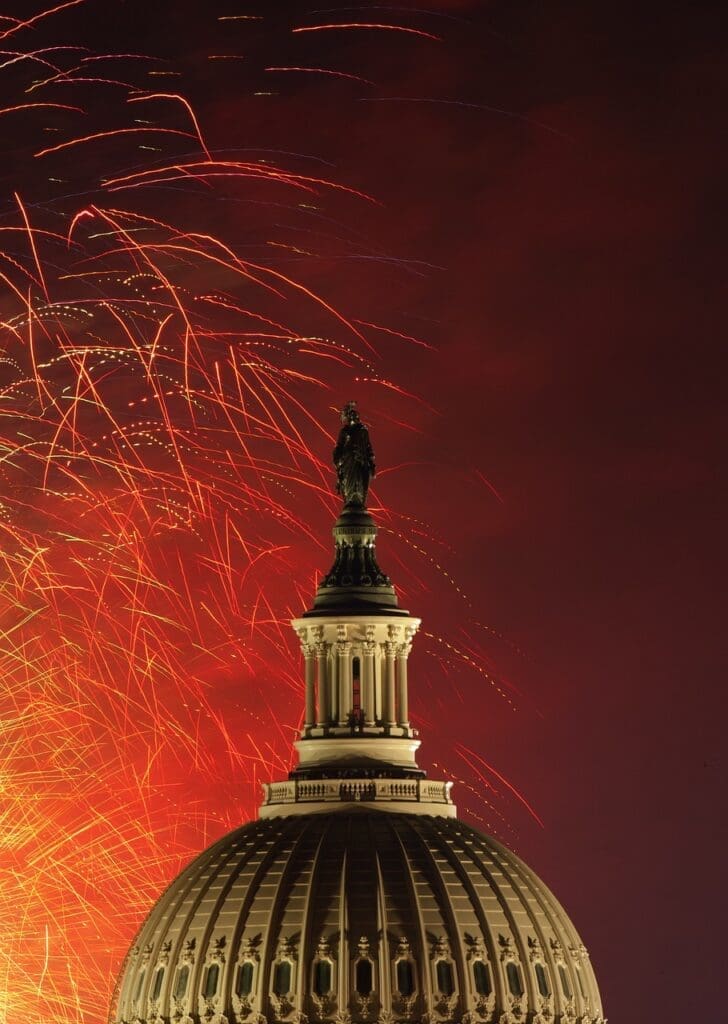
{"x": 559, "y": 170}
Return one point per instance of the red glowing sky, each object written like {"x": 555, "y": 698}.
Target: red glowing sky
{"x": 549, "y": 178}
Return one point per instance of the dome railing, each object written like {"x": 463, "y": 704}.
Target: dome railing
{"x": 296, "y": 791}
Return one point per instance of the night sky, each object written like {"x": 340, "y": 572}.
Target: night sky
{"x": 548, "y": 180}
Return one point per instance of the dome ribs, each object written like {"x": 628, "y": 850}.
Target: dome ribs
{"x": 385, "y": 955}
{"x": 432, "y": 886}
{"x": 397, "y": 893}
{"x": 342, "y": 950}
{"x": 537, "y": 909}
{"x": 567, "y": 940}
{"x": 169, "y": 920}
{"x": 274, "y": 917}
{"x": 479, "y": 889}
{"x": 512, "y": 904}
{"x": 361, "y": 879}
{"x": 456, "y": 905}
{"x": 323, "y": 917}
{"x": 362, "y": 893}
{"x": 398, "y": 911}
{"x": 498, "y": 921}
{"x": 226, "y": 912}
{"x": 254, "y": 869}
{"x": 253, "y": 924}
{"x": 417, "y": 935}
{"x": 298, "y": 911}
{"x": 546, "y": 924}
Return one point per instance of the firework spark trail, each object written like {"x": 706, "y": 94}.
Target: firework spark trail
{"x": 321, "y": 71}
{"x": 160, "y": 462}
{"x": 467, "y": 754}
{"x": 374, "y": 26}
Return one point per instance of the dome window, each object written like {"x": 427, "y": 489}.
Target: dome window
{"x": 322, "y": 977}
{"x": 244, "y": 980}
{"x": 211, "y": 979}
{"x": 157, "y": 986}
{"x": 565, "y": 986}
{"x": 405, "y": 978}
{"x": 481, "y": 977}
{"x": 542, "y": 980}
{"x": 282, "y": 978}
{"x": 364, "y": 977}
{"x": 181, "y": 984}
{"x": 322, "y": 971}
{"x": 445, "y": 978}
{"x": 515, "y": 982}
{"x": 363, "y": 971}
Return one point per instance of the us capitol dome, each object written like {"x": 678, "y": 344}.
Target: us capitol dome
{"x": 358, "y": 896}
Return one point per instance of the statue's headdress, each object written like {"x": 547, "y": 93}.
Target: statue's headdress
{"x": 350, "y": 413}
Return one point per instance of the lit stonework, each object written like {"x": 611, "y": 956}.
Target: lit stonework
{"x": 357, "y": 897}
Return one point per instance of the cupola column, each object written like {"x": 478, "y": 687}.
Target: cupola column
{"x": 402, "y": 697}
{"x": 323, "y": 704}
{"x": 368, "y": 703}
{"x": 390, "y": 651}
{"x": 334, "y": 667}
{"x": 343, "y": 648}
{"x": 309, "y": 655}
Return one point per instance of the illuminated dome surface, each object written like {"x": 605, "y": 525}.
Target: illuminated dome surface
{"x": 358, "y": 897}
{"x": 363, "y": 913}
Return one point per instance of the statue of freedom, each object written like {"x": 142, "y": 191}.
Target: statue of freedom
{"x": 353, "y": 458}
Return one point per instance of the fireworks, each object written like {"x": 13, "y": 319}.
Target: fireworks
{"x": 163, "y": 413}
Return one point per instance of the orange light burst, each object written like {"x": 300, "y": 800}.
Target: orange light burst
{"x": 164, "y": 402}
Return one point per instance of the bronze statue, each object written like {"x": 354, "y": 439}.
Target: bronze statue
{"x": 353, "y": 458}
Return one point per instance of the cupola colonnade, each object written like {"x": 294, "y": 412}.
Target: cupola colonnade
{"x": 356, "y": 675}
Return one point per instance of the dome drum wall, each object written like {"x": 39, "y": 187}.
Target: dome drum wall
{"x": 367, "y": 917}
